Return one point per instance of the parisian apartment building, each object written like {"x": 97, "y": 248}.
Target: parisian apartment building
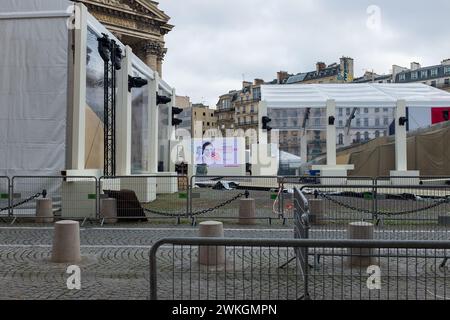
{"x": 197, "y": 118}
{"x": 238, "y": 108}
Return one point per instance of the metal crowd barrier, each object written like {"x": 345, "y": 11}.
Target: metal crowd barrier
{"x": 401, "y": 270}
{"x": 72, "y": 197}
{"x": 216, "y": 197}
{"x": 5, "y": 197}
{"x": 152, "y": 197}
{"x": 290, "y": 183}
{"x": 399, "y": 212}
{"x": 414, "y": 180}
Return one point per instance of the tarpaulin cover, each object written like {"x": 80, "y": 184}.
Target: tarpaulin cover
{"x": 33, "y": 89}
{"x": 428, "y": 152}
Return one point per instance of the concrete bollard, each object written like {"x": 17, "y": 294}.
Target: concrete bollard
{"x": 316, "y": 209}
{"x": 361, "y": 256}
{"x": 211, "y": 255}
{"x": 247, "y": 211}
{"x": 44, "y": 210}
{"x": 108, "y": 210}
{"x": 66, "y": 242}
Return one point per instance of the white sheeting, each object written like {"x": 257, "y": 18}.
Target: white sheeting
{"x": 8, "y": 6}
{"x": 33, "y": 90}
{"x": 353, "y": 95}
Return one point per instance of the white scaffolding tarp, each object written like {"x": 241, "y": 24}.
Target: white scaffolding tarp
{"x": 33, "y": 86}
{"x": 353, "y": 95}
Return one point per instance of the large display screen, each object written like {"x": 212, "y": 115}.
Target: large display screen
{"x": 217, "y": 152}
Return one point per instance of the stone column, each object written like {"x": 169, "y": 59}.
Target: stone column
{"x": 151, "y": 61}
{"x": 153, "y": 51}
{"x": 159, "y": 66}
{"x": 160, "y": 59}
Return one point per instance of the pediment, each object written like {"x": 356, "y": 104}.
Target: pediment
{"x": 146, "y": 8}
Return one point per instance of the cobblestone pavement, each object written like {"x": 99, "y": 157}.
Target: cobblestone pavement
{"x": 115, "y": 259}
{"x": 116, "y": 266}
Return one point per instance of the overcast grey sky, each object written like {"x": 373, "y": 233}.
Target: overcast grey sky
{"x": 216, "y": 42}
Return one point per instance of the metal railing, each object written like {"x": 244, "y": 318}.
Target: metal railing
{"x": 72, "y": 197}
{"x": 214, "y": 196}
{"x": 208, "y": 197}
{"x": 399, "y": 212}
{"x": 412, "y": 180}
{"x": 5, "y": 197}
{"x": 256, "y": 269}
{"x": 147, "y": 197}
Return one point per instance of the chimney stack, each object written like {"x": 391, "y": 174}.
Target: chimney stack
{"x": 320, "y": 66}
{"x": 246, "y": 84}
{"x": 258, "y": 82}
{"x": 415, "y": 66}
{"x": 282, "y": 76}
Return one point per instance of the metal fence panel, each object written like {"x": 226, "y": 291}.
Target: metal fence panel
{"x": 156, "y": 197}
{"x": 218, "y": 196}
{"x": 73, "y": 197}
{"x": 413, "y": 180}
{"x": 5, "y": 196}
{"x": 398, "y": 212}
{"x": 401, "y": 270}
{"x": 290, "y": 183}
{"x": 420, "y": 212}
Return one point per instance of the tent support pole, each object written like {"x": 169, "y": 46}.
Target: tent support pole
{"x": 331, "y": 133}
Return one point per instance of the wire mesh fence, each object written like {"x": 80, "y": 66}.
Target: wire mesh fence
{"x": 259, "y": 269}
{"x": 72, "y": 197}
{"x": 218, "y": 197}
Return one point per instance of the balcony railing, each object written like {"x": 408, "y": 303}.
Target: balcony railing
{"x": 248, "y": 123}
{"x": 245, "y": 101}
{"x": 222, "y": 110}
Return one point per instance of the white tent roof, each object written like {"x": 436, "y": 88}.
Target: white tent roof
{"x": 353, "y": 95}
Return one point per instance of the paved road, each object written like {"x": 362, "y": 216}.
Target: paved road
{"x": 116, "y": 266}
{"x": 115, "y": 263}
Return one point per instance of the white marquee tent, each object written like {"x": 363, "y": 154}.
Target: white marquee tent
{"x": 371, "y": 95}
{"x": 353, "y": 95}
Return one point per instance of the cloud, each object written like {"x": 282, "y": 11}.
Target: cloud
{"x": 214, "y": 43}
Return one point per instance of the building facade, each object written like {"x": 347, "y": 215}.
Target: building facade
{"x": 238, "y": 110}
{"x": 367, "y": 124}
{"x": 137, "y": 23}
{"x": 198, "y": 119}
{"x": 225, "y": 111}
{"x": 436, "y": 76}
{"x": 203, "y": 119}
{"x": 293, "y": 125}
